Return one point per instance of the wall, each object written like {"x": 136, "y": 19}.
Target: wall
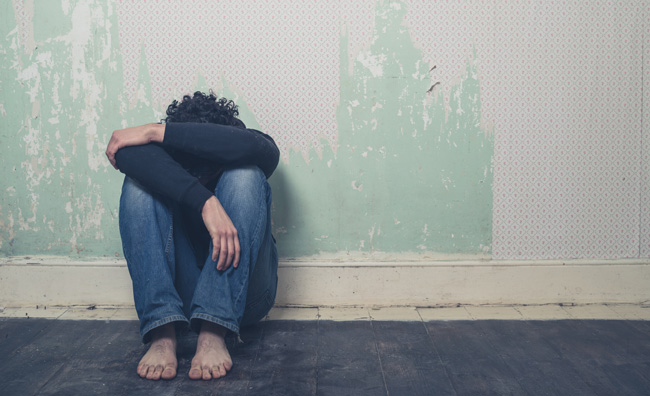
{"x": 532, "y": 145}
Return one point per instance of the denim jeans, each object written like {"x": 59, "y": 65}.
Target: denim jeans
{"x": 169, "y": 255}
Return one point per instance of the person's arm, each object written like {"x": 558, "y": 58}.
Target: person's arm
{"x": 227, "y": 145}
{"x": 156, "y": 169}
{"x": 223, "y": 144}
{"x": 137, "y": 152}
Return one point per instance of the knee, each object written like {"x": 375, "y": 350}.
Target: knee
{"x": 243, "y": 187}
{"x": 248, "y": 178}
{"x": 135, "y": 199}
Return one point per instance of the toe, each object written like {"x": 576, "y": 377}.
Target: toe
{"x": 154, "y": 372}
{"x": 195, "y": 373}
{"x": 158, "y": 372}
{"x": 168, "y": 373}
{"x": 206, "y": 374}
{"x": 217, "y": 372}
{"x": 227, "y": 365}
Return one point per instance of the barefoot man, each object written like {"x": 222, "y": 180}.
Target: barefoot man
{"x": 195, "y": 223}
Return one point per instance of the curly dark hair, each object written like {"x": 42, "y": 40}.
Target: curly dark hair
{"x": 206, "y": 108}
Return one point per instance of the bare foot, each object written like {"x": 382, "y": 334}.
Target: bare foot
{"x": 212, "y": 359}
{"x": 160, "y": 360}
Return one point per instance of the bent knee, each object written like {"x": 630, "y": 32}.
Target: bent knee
{"x": 243, "y": 178}
{"x": 135, "y": 198}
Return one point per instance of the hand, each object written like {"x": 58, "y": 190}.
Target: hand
{"x": 133, "y": 136}
{"x": 225, "y": 242}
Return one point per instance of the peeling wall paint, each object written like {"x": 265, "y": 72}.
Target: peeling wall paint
{"x": 392, "y": 163}
{"x": 411, "y": 172}
{"x": 61, "y": 100}
{"x": 370, "y": 191}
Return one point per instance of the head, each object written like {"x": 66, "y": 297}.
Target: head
{"x": 203, "y": 108}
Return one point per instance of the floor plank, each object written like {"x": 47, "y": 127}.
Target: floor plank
{"x": 409, "y": 360}
{"x": 348, "y": 362}
{"x": 32, "y": 365}
{"x": 286, "y": 363}
{"x": 17, "y": 332}
{"x": 472, "y": 363}
{"x": 106, "y": 364}
{"x": 536, "y": 365}
{"x": 608, "y": 355}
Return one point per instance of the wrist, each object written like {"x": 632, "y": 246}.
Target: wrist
{"x": 210, "y": 204}
{"x": 156, "y": 132}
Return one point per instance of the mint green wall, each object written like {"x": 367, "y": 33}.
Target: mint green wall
{"x": 406, "y": 175}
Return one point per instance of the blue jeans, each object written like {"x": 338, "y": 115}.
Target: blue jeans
{"x": 169, "y": 255}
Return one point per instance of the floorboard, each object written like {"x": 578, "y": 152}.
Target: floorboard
{"x": 536, "y": 365}
{"x": 472, "y": 363}
{"x": 348, "y": 362}
{"x": 16, "y": 333}
{"x": 105, "y": 364}
{"x": 599, "y": 350}
{"x": 409, "y": 360}
{"x": 286, "y": 362}
{"x": 48, "y": 354}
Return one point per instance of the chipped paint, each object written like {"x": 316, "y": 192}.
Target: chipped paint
{"x": 425, "y": 190}
{"x": 64, "y": 66}
{"x": 408, "y": 171}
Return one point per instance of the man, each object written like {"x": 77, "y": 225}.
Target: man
{"x": 195, "y": 223}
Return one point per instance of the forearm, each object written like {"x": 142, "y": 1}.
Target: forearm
{"x": 133, "y": 136}
{"x": 156, "y": 132}
{"x": 155, "y": 169}
{"x": 223, "y": 144}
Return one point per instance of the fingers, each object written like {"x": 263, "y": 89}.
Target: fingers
{"x": 111, "y": 150}
{"x": 216, "y": 247}
{"x": 110, "y": 154}
{"x": 226, "y": 251}
{"x": 237, "y": 251}
{"x": 223, "y": 254}
{"x": 231, "y": 252}
{"x": 111, "y": 159}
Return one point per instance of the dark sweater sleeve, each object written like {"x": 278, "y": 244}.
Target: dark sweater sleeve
{"x": 154, "y": 168}
{"x": 227, "y": 145}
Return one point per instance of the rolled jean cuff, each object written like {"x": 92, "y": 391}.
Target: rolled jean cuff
{"x": 144, "y": 334}
{"x": 230, "y": 326}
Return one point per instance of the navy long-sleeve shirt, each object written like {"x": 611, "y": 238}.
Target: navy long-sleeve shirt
{"x": 191, "y": 157}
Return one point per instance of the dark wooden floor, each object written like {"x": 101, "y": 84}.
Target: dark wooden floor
{"x": 567, "y": 357}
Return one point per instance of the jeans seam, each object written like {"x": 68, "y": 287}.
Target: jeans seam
{"x": 213, "y": 319}
{"x": 255, "y": 238}
{"x": 170, "y": 238}
{"x": 161, "y": 322}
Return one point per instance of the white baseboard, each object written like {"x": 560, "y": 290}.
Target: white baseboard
{"x": 55, "y": 281}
